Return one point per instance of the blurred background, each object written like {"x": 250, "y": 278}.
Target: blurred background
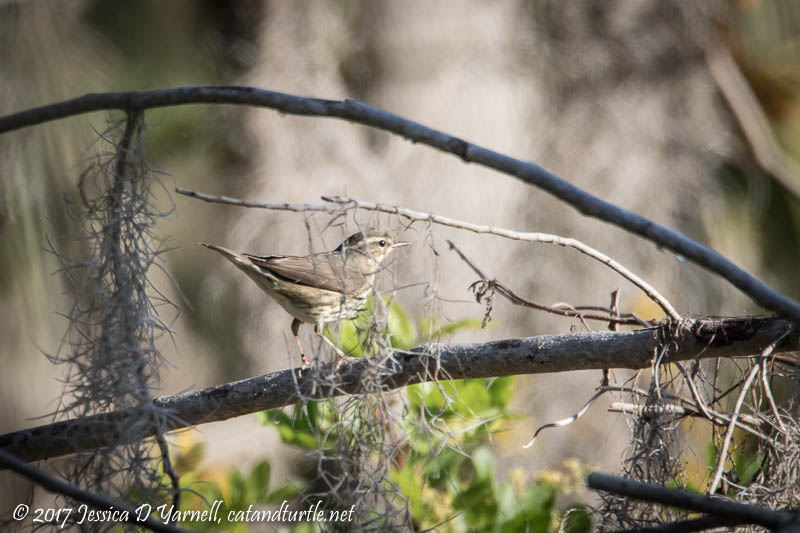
{"x": 682, "y": 112}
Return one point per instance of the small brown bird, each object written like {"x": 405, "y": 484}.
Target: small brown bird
{"x": 319, "y": 288}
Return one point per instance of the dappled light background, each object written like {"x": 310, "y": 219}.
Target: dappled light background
{"x": 614, "y": 97}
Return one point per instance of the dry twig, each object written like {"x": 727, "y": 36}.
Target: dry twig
{"x": 484, "y": 288}
{"x": 723, "y": 453}
{"x": 348, "y": 203}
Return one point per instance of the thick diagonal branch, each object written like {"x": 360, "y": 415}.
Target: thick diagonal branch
{"x": 706, "y": 338}
{"x": 353, "y": 111}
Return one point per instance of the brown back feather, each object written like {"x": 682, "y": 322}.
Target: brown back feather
{"x": 326, "y": 271}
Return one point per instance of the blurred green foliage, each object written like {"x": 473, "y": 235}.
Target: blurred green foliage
{"x": 236, "y": 490}
{"x": 445, "y": 468}
{"x": 356, "y": 337}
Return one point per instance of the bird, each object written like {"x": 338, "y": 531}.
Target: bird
{"x": 322, "y": 287}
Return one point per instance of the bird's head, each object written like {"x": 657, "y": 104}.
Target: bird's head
{"x": 376, "y": 246}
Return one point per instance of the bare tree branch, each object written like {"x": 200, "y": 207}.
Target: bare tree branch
{"x": 705, "y": 338}
{"x": 639, "y": 409}
{"x": 683, "y": 526}
{"x": 755, "y": 124}
{"x": 484, "y": 286}
{"x": 546, "y": 238}
{"x": 738, "y": 513}
{"x": 97, "y": 501}
{"x": 354, "y": 111}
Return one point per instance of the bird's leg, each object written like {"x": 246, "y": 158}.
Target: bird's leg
{"x": 295, "y": 328}
{"x": 318, "y": 331}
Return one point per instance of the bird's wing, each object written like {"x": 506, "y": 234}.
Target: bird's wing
{"x": 326, "y": 272}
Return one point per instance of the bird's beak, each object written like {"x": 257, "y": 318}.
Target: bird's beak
{"x": 400, "y": 244}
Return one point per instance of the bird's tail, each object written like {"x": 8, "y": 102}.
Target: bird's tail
{"x": 237, "y": 259}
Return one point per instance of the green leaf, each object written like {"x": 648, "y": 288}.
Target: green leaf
{"x": 350, "y": 339}
{"x": 300, "y": 429}
{"x": 747, "y": 466}
{"x": 478, "y": 504}
{"x": 577, "y": 519}
{"x": 442, "y": 470}
{"x": 259, "y": 480}
{"x": 535, "y": 511}
{"x": 501, "y": 391}
{"x": 483, "y": 460}
{"x": 400, "y": 326}
{"x": 286, "y": 492}
{"x": 473, "y": 397}
{"x": 238, "y": 489}
{"x": 432, "y": 330}
{"x": 273, "y": 417}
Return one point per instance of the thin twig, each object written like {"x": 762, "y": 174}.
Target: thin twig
{"x": 483, "y": 286}
{"x": 169, "y": 469}
{"x": 698, "y": 400}
{"x": 768, "y": 392}
{"x": 638, "y": 409}
{"x": 726, "y": 442}
{"x": 660, "y": 352}
{"x": 228, "y": 200}
{"x": 486, "y": 287}
{"x": 569, "y": 420}
{"x": 712, "y": 415}
{"x": 612, "y": 326}
{"x": 600, "y": 391}
{"x": 669, "y": 409}
{"x": 349, "y": 203}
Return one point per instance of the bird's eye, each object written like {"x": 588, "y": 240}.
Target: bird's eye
{"x": 382, "y": 243}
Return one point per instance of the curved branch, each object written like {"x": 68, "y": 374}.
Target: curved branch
{"x": 730, "y": 337}
{"x": 354, "y": 111}
{"x": 733, "y": 512}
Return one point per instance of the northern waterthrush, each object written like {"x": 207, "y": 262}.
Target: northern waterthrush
{"x": 319, "y": 288}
